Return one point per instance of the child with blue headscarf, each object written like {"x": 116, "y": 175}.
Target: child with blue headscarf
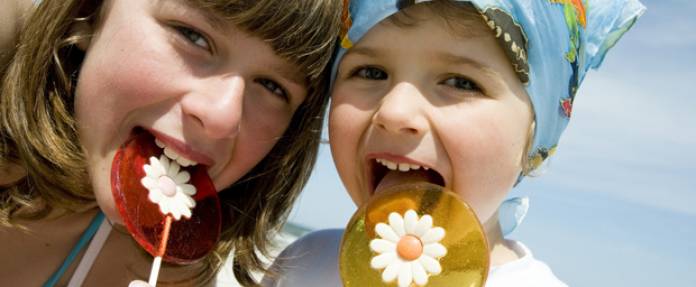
{"x": 470, "y": 95}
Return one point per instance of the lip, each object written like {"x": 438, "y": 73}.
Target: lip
{"x": 182, "y": 148}
{"x": 370, "y": 165}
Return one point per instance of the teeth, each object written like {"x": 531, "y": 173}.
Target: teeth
{"x": 404, "y": 167}
{"x": 171, "y": 154}
{"x": 184, "y": 162}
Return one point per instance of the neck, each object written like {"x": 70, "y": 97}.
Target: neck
{"x": 501, "y": 250}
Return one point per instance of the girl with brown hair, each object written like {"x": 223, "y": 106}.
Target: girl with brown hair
{"x": 232, "y": 89}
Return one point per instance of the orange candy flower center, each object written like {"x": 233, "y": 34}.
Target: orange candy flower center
{"x": 409, "y": 247}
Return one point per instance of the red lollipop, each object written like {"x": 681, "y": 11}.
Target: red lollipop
{"x": 189, "y": 239}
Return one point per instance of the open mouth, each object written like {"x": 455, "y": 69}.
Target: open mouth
{"x": 190, "y": 238}
{"x": 160, "y": 147}
{"x": 173, "y": 155}
{"x": 174, "y": 149}
{"x": 386, "y": 173}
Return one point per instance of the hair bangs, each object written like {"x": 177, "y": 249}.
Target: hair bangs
{"x": 295, "y": 30}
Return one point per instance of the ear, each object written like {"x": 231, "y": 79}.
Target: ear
{"x": 83, "y": 31}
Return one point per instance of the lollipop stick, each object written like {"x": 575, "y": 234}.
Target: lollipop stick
{"x": 154, "y": 272}
{"x": 165, "y": 236}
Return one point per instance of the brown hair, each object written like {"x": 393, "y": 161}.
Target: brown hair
{"x": 38, "y": 131}
{"x": 462, "y": 17}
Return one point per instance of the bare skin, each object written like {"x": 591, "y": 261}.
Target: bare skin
{"x": 52, "y": 239}
{"x": 502, "y": 250}
{"x": 12, "y": 16}
{"x": 29, "y": 255}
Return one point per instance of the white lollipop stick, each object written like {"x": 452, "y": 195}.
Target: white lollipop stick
{"x": 157, "y": 263}
{"x": 154, "y": 272}
{"x": 163, "y": 190}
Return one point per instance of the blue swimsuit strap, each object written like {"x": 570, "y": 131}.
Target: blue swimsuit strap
{"x": 84, "y": 239}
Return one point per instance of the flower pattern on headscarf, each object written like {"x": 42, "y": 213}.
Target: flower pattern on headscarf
{"x": 550, "y": 43}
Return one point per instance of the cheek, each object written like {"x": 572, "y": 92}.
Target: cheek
{"x": 262, "y": 123}
{"x": 109, "y": 93}
{"x": 346, "y": 124}
{"x": 349, "y": 117}
{"x": 119, "y": 77}
{"x": 259, "y": 132}
{"x": 340, "y": 136}
{"x": 486, "y": 161}
{"x": 341, "y": 128}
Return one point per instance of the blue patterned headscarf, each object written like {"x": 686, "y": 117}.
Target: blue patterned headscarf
{"x": 551, "y": 44}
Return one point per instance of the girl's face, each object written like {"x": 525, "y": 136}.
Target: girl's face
{"x": 411, "y": 98}
{"x": 209, "y": 91}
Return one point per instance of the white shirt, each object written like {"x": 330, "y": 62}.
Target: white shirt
{"x": 225, "y": 277}
{"x": 313, "y": 261}
{"x": 523, "y": 272}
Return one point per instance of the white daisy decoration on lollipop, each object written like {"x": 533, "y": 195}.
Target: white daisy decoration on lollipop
{"x": 168, "y": 187}
{"x": 408, "y": 248}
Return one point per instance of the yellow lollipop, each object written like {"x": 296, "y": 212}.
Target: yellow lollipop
{"x": 414, "y": 235}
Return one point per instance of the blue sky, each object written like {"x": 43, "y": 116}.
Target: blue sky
{"x": 615, "y": 206}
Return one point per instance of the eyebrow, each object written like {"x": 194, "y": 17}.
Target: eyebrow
{"x": 441, "y": 56}
{"x": 218, "y": 22}
{"x": 364, "y": 51}
{"x": 461, "y": 60}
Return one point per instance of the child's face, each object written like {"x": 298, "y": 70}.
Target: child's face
{"x": 210, "y": 91}
{"x": 429, "y": 96}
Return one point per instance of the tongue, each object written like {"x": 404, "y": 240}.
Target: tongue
{"x": 189, "y": 239}
{"x": 394, "y": 177}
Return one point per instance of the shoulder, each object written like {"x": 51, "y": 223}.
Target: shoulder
{"x": 524, "y": 272}
{"x": 313, "y": 246}
{"x": 12, "y": 14}
{"x": 309, "y": 261}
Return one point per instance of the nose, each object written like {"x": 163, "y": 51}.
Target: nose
{"x": 217, "y": 106}
{"x": 401, "y": 111}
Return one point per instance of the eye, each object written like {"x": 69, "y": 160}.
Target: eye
{"x": 274, "y": 88}
{"x": 461, "y": 83}
{"x": 370, "y": 73}
{"x": 194, "y": 37}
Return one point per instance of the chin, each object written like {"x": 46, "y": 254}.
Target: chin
{"x": 107, "y": 205}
